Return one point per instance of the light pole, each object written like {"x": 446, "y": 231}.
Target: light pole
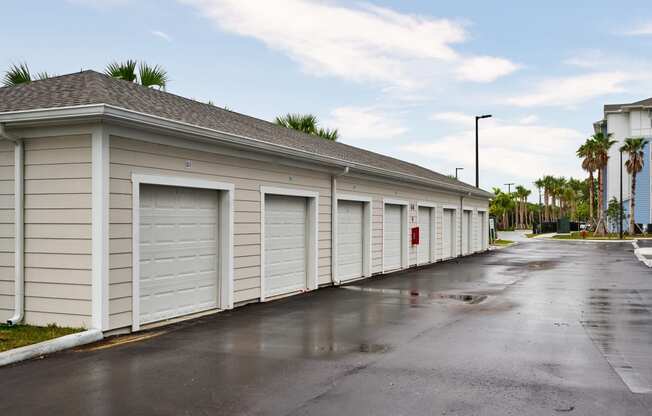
{"x": 620, "y": 214}
{"x": 509, "y": 192}
{"x": 457, "y": 169}
{"x": 477, "y": 157}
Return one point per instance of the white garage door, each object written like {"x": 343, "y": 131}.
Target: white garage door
{"x": 483, "y": 230}
{"x": 392, "y": 237}
{"x": 466, "y": 232}
{"x": 350, "y": 216}
{"x": 178, "y": 251}
{"x": 285, "y": 244}
{"x": 448, "y": 233}
{"x": 424, "y": 234}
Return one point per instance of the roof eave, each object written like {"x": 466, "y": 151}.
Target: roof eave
{"x": 109, "y": 112}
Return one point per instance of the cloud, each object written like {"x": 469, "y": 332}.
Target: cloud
{"x": 570, "y": 91}
{"x": 362, "y": 123}
{"x": 644, "y": 29}
{"x": 520, "y": 152}
{"x": 588, "y": 59}
{"x": 354, "y": 41}
{"x": 161, "y": 35}
{"x": 453, "y": 118}
{"x": 531, "y": 119}
{"x": 485, "y": 68}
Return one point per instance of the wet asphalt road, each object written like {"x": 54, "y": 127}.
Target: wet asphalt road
{"x": 565, "y": 328}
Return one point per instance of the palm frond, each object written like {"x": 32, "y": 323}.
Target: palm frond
{"x": 122, "y": 70}
{"x": 152, "y": 76}
{"x": 328, "y": 134}
{"x": 17, "y": 74}
{"x": 44, "y": 75}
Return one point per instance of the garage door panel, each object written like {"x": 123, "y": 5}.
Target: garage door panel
{"x": 178, "y": 251}
{"x": 392, "y": 237}
{"x": 285, "y": 244}
{"x": 350, "y": 229}
{"x": 425, "y": 225}
{"x": 448, "y": 233}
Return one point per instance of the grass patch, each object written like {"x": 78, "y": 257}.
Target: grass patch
{"x": 575, "y": 235}
{"x": 20, "y": 335}
{"x": 502, "y": 242}
{"x": 530, "y": 235}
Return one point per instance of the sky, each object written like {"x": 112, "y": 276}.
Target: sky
{"x": 402, "y": 78}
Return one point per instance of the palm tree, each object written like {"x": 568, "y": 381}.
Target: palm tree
{"x": 547, "y": 186}
{"x": 147, "y": 76}
{"x": 603, "y": 143}
{"x": 540, "y": 184}
{"x": 20, "y": 74}
{"x": 306, "y": 123}
{"x": 634, "y": 164}
{"x": 587, "y": 152}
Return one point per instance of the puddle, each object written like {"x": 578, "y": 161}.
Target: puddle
{"x": 373, "y": 348}
{"x": 466, "y": 298}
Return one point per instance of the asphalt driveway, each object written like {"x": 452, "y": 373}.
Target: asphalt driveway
{"x": 541, "y": 328}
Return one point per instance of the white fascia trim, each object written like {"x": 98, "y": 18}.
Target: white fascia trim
{"x": 225, "y": 250}
{"x": 100, "y": 229}
{"x": 367, "y": 235}
{"x": 312, "y": 275}
{"x": 117, "y": 113}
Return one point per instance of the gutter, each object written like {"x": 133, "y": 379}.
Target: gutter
{"x": 334, "y": 223}
{"x": 95, "y": 111}
{"x": 19, "y": 222}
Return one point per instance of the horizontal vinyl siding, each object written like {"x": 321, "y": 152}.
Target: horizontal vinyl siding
{"x": 58, "y": 231}
{"x": 6, "y": 230}
{"x": 132, "y": 156}
{"x": 380, "y": 191}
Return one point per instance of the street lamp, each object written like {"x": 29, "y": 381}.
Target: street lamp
{"x": 620, "y": 214}
{"x": 457, "y": 169}
{"x": 477, "y": 158}
{"x": 509, "y": 191}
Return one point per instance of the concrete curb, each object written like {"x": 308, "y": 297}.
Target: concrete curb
{"x": 50, "y": 346}
{"x": 494, "y": 247}
{"x": 638, "y": 252}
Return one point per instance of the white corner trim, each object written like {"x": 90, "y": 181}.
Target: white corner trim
{"x": 312, "y": 275}
{"x": 48, "y": 347}
{"x": 225, "y": 243}
{"x": 100, "y": 228}
{"x": 367, "y": 245}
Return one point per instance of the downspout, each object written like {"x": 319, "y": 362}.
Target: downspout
{"x": 334, "y": 177}
{"x": 19, "y": 195}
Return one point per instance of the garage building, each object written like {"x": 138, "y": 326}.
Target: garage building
{"x": 122, "y": 207}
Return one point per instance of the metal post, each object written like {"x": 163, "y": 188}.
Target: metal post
{"x": 456, "y": 170}
{"x": 620, "y": 225}
{"x": 477, "y": 157}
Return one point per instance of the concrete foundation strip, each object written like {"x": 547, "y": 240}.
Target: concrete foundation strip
{"x": 48, "y": 347}
{"x": 640, "y": 254}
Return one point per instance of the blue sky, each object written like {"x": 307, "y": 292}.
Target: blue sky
{"x": 403, "y": 78}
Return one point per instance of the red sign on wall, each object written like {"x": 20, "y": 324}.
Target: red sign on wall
{"x": 415, "y": 236}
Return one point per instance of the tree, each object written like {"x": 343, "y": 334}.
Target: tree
{"x": 634, "y": 164}
{"x": 20, "y": 74}
{"x": 306, "y": 123}
{"x": 539, "y": 183}
{"x": 587, "y": 152}
{"x": 603, "y": 143}
{"x": 500, "y": 206}
{"x": 147, "y": 75}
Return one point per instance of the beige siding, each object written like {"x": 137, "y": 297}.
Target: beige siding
{"x": 379, "y": 191}
{"x": 131, "y": 156}
{"x": 6, "y": 230}
{"x": 58, "y": 231}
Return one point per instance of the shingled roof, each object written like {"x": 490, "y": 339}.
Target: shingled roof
{"x": 616, "y": 107}
{"x": 91, "y": 87}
